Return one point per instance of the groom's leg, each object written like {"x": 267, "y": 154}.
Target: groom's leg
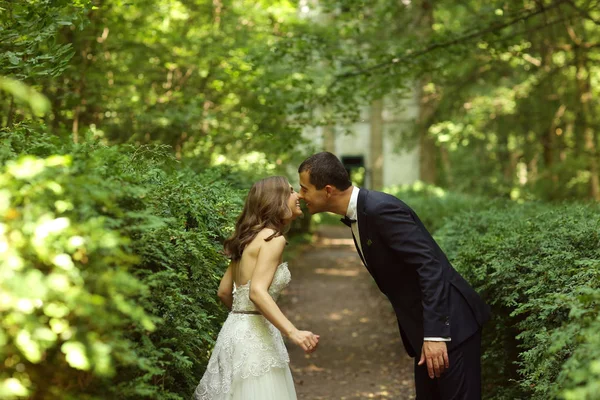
{"x": 462, "y": 381}
{"x": 426, "y": 388}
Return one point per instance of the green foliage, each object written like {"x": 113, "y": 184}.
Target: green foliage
{"x": 538, "y": 266}
{"x": 68, "y": 294}
{"x": 511, "y": 118}
{"x": 132, "y": 233}
{"x": 39, "y": 104}
{"x": 30, "y": 53}
{"x": 435, "y": 205}
{"x": 580, "y": 374}
{"x": 504, "y": 88}
{"x": 193, "y": 75}
{"x": 29, "y": 48}
{"x": 204, "y": 77}
{"x": 111, "y": 260}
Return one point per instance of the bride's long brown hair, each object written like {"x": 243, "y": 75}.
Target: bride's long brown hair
{"x": 266, "y": 206}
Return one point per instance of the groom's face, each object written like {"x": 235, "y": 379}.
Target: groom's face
{"x": 316, "y": 200}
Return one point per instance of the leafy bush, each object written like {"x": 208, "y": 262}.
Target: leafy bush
{"x": 110, "y": 261}
{"x": 68, "y": 294}
{"x": 538, "y": 266}
{"x": 434, "y": 205}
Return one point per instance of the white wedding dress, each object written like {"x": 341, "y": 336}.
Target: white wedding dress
{"x": 250, "y": 360}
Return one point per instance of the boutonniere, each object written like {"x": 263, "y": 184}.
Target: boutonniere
{"x": 369, "y": 242}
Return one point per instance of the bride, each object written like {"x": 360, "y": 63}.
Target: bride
{"x": 250, "y": 361}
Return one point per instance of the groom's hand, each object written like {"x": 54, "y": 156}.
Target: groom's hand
{"x": 436, "y": 355}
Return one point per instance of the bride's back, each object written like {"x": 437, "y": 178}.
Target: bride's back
{"x": 244, "y": 268}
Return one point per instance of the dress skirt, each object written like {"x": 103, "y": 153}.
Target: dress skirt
{"x": 249, "y": 362}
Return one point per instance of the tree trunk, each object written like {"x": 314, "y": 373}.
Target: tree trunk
{"x": 549, "y": 139}
{"x": 584, "y": 95}
{"x": 447, "y": 165}
{"x": 88, "y": 48}
{"x": 427, "y": 107}
{"x": 11, "y": 111}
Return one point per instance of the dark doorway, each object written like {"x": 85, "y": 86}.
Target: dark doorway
{"x": 355, "y": 165}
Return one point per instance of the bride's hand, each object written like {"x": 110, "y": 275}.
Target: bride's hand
{"x": 307, "y": 340}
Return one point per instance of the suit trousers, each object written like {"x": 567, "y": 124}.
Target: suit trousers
{"x": 462, "y": 381}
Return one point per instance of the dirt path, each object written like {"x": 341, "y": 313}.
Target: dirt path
{"x": 360, "y": 354}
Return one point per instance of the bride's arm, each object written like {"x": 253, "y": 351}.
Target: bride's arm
{"x": 266, "y": 265}
{"x": 225, "y": 291}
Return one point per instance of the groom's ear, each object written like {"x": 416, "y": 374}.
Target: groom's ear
{"x": 328, "y": 190}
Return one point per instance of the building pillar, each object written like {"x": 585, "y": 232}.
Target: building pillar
{"x": 376, "y": 133}
{"x": 329, "y": 138}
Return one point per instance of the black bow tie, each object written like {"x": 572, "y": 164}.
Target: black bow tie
{"x": 347, "y": 221}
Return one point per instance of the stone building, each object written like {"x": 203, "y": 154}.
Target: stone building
{"x": 377, "y": 150}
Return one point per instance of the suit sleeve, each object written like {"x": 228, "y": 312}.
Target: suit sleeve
{"x": 415, "y": 248}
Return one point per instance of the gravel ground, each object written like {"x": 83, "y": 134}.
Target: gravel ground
{"x": 360, "y": 355}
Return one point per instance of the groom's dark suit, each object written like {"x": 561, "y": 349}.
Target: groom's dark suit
{"x": 429, "y": 297}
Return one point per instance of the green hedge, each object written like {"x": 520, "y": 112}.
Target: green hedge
{"x": 538, "y": 266}
{"x": 110, "y": 261}
{"x": 435, "y": 205}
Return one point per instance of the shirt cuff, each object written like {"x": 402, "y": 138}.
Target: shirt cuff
{"x": 437, "y": 339}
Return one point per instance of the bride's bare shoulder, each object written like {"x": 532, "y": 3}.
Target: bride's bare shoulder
{"x": 266, "y": 232}
{"x": 268, "y": 235}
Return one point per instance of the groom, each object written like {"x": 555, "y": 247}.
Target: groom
{"x": 439, "y": 315}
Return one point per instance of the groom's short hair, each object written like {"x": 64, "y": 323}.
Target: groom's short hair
{"x": 326, "y": 169}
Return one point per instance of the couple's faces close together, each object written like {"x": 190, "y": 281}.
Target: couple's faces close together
{"x": 294, "y": 204}
{"x": 315, "y": 199}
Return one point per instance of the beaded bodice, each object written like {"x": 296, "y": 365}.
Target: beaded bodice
{"x": 241, "y": 294}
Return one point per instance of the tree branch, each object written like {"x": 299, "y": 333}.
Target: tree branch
{"x": 536, "y": 28}
{"x": 453, "y": 42}
{"x": 583, "y": 13}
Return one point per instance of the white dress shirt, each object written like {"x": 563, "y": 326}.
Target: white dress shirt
{"x": 352, "y": 213}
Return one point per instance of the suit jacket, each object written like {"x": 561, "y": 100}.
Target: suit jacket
{"x": 429, "y": 297}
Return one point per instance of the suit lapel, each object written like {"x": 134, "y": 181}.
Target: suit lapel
{"x": 363, "y": 229}
{"x": 358, "y": 251}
